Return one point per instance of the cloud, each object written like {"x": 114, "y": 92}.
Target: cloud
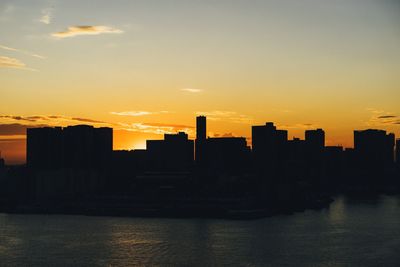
{"x": 19, "y": 118}
{"x": 297, "y": 126}
{"x": 156, "y": 128}
{"x": 12, "y": 129}
{"x": 192, "y": 90}
{"x": 21, "y": 51}
{"x": 387, "y": 117}
{"x": 85, "y": 30}
{"x": 46, "y": 16}
{"x": 137, "y": 113}
{"x": 13, "y": 63}
{"x": 8, "y": 62}
{"x": 87, "y": 120}
{"x": 228, "y": 135}
{"x": 16, "y": 125}
{"x": 381, "y": 118}
{"x": 177, "y": 126}
{"x": 49, "y": 120}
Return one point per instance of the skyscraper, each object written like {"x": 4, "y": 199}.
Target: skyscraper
{"x": 201, "y": 128}
{"x": 201, "y": 139}
{"x": 315, "y": 139}
{"x": 374, "y": 147}
{"x": 269, "y": 146}
{"x": 174, "y": 153}
{"x": 80, "y": 146}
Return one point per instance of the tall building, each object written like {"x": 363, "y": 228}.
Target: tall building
{"x": 80, "y": 147}
{"x": 269, "y": 145}
{"x": 398, "y": 151}
{"x": 45, "y": 148}
{"x": 374, "y": 147}
{"x": 174, "y": 153}
{"x": 227, "y": 154}
{"x": 201, "y": 128}
{"x": 315, "y": 138}
{"x": 201, "y": 137}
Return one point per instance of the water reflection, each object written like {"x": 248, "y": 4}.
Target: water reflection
{"x": 337, "y": 211}
{"x": 364, "y": 233}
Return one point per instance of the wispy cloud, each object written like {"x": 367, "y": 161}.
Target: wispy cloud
{"x": 12, "y": 129}
{"x": 8, "y": 62}
{"x": 156, "y": 128}
{"x": 228, "y": 116}
{"x": 387, "y": 117}
{"x": 46, "y": 16}
{"x": 49, "y": 120}
{"x": 13, "y": 63}
{"x": 87, "y": 120}
{"x": 85, "y": 30}
{"x": 21, "y": 51}
{"x": 298, "y": 126}
{"x": 192, "y": 90}
{"x": 137, "y": 113}
{"x": 380, "y": 118}
{"x": 17, "y": 125}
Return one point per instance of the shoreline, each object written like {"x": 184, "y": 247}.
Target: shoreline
{"x": 157, "y": 210}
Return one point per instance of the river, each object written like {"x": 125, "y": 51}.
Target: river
{"x": 352, "y": 232}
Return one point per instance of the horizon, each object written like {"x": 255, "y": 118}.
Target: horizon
{"x": 146, "y": 68}
{"x": 20, "y": 157}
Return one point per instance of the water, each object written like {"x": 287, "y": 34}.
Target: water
{"x": 350, "y": 233}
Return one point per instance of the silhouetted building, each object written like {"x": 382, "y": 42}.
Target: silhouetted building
{"x": 269, "y": 146}
{"x": 315, "y": 139}
{"x": 201, "y": 128}
{"x": 333, "y": 162}
{"x": 126, "y": 165}
{"x": 80, "y": 147}
{"x": 227, "y": 154}
{"x": 296, "y": 158}
{"x": 69, "y": 162}
{"x": 174, "y": 153}
{"x": 87, "y": 147}
{"x": 314, "y": 149}
{"x": 374, "y": 148}
{"x": 201, "y": 136}
{"x": 45, "y": 148}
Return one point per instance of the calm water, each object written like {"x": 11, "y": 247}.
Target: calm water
{"x": 350, "y": 233}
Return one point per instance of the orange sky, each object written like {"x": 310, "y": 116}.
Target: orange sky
{"x": 150, "y": 67}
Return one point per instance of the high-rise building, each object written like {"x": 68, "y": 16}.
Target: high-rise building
{"x": 45, "y": 148}
{"x": 227, "y": 154}
{"x": 201, "y": 128}
{"x": 269, "y": 145}
{"x": 315, "y": 138}
{"x": 80, "y": 146}
{"x": 201, "y": 137}
{"x": 174, "y": 153}
{"x": 374, "y": 147}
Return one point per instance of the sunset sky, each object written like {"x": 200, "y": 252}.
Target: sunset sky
{"x": 148, "y": 67}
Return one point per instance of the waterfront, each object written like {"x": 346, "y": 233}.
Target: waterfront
{"x": 352, "y": 232}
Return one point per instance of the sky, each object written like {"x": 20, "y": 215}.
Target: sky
{"x": 150, "y": 67}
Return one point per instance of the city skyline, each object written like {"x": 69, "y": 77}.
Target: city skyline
{"x": 146, "y": 68}
{"x": 200, "y": 135}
